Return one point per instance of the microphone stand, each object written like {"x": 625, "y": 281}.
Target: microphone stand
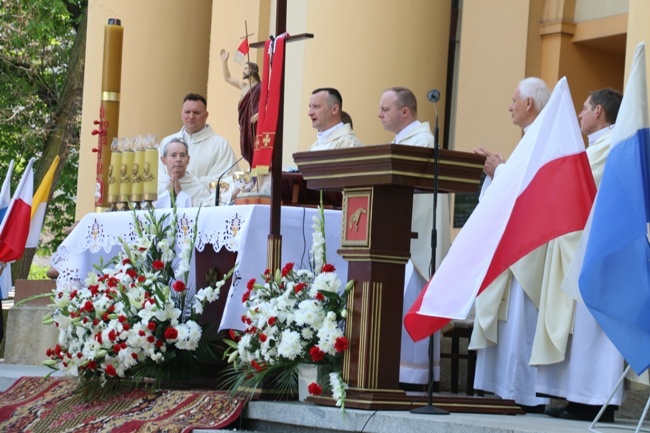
{"x": 430, "y": 409}
{"x": 218, "y": 187}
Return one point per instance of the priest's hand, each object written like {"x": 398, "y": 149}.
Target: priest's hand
{"x": 175, "y": 183}
{"x": 492, "y": 160}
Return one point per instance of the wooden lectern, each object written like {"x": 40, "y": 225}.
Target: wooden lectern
{"x": 378, "y": 184}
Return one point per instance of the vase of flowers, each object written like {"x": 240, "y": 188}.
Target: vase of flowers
{"x": 293, "y": 317}
{"x": 134, "y": 320}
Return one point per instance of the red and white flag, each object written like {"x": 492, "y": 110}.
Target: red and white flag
{"x": 15, "y": 226}
{"x": 545, "y": 190}
{"x": 242, "y": 51}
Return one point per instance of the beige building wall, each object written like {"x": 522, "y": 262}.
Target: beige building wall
{"x": 493, "y": 49}
{"x": 637, "y": 31}
{"x": 164, "y": 56}
{"x": 170, "y": 49}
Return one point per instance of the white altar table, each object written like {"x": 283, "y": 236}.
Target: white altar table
{"x": 242, "y": 229}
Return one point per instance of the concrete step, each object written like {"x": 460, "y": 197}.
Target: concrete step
{"x": 299, "y": 417}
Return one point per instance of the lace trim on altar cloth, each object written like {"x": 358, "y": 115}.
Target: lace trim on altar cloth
{"x": 98, "y": 234}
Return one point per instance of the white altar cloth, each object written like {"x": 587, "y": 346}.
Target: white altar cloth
{"x": 243, "y": 229}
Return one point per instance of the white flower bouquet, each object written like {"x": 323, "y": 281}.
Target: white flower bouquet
{"x": 293, "y": 316}
{"x": 135, "y": 318}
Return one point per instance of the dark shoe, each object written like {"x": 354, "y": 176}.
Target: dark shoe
{"x": 554, "y": 411}
{"x": 416, "y": 387}
{"x": 532, "y": 409}
{"x": 608, "y": 416}
{"x": 584, "y": 412}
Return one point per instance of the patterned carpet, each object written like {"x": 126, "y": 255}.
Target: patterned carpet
{"x": 35, "y": 404}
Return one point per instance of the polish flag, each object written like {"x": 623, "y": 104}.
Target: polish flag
{"x": 545, "y": 190}
{"x": 15, "y": 226}
{"x": 242, "y": 51}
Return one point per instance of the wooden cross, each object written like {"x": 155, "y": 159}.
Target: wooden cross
{"x": 274, "y": 243}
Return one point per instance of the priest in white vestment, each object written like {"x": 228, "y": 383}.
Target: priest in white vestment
{"x": 398, "y": 114}
{"x": 575, "y": 359}
{"x": 212, "y": 156}
{"x": 325, "y": 108}
{"x": 186, "y": 189}
{"x": 506, "y": 311}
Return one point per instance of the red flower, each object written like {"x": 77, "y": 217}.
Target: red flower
{"x": 126, "y": 261}
{"x": 142, "y": 279}
{"x": 328, "y": 268}
{"x": 246, "y": 296}
{"x": 151, "y": 339}
{"x": 233, "y": 335}
{"x": 112, "y": 335}
{"x": 250, "y": 284}
{"x": 91, "y": 365}
{"x": 110, "y": 370}
{"x": 171, "y": 333}
{"x": 151, "y": 326}
{"x": 158, "y": 265}
{"x": 272, "y": 321}
{"x": 263, "y": 337}
{"x": 94, "y": 289}
{"x": 319, "y": 296}
{"x": 341, "y": 344}
{"x": 287, "y": 269}
{"x": 116, "y": 348}
{"x": 316, "y": 354}
{"x": 314, "y": 389}
{"x": 257, "y": 366}
{"x": 73, "y": 294}
{"x": 131, "y": 273}
{"x": 299, "y": 287}
{"x": 178, "y": 286}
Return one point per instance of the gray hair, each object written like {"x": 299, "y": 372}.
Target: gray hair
{"x": 174, "y": 140}
{"x": 536, "y": 89}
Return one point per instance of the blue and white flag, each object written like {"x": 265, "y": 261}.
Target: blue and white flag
{"x": 615, "y": 277}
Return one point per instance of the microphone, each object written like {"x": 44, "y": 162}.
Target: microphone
{"x": 433, "y": 95}
{"x": 216, "y": 195}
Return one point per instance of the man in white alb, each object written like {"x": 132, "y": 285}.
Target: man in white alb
{"x": 570, "y": 349}
{"x": 325, "y": 108}
{"x": 398, "y": 114}
{"x": 506, "y": 312}
{"x": 212, "y": 156}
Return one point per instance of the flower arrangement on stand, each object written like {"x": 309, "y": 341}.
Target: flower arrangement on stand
{"x": 135, "y": 319}
{"x": 293, "y": 316}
